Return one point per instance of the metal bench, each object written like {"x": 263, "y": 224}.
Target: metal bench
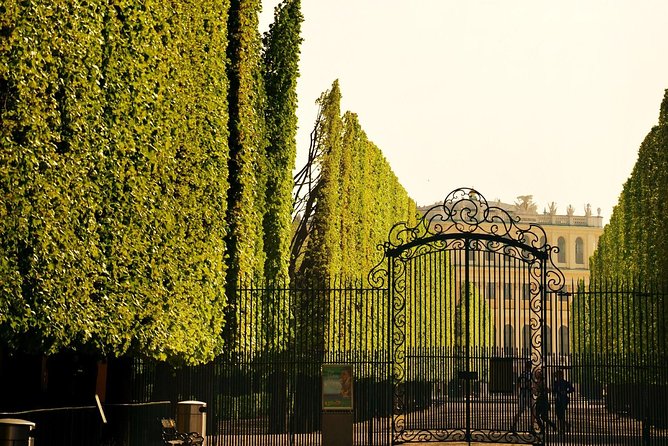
{"x": 172, "y": 437}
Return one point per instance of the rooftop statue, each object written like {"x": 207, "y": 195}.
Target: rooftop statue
{"x": 525, "y": 204}
{"x": 553, "y": 208}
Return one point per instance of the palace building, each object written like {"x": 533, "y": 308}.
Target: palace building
{"x": 505, "y": 283}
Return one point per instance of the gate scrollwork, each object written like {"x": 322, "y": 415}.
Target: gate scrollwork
{"x": 465, "y": 220}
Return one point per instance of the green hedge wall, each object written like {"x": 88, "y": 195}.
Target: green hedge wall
{"x": 281, "y": 70}
{"x": 632, "y": 256}
{"x": 635, "y": 242}
{"x": 114, "y": 176}
{"x": 359, "y": 198}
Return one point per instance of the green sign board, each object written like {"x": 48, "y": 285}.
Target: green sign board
{"x": 337, "y": 387}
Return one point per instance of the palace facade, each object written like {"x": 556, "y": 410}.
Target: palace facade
{"x": 505, "y": 283}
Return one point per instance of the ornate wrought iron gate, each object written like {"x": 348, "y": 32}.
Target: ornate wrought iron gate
{"x": 467, "y": 285}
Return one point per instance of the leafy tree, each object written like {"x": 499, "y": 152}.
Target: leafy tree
{"x": 48, "y": 147}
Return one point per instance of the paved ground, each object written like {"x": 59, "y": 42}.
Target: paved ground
{"x": 591, "y": 424}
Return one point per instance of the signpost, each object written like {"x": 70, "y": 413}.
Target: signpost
{"x": 337, "y": 404}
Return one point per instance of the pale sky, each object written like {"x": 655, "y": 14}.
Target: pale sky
{"x": 550, "y": 98}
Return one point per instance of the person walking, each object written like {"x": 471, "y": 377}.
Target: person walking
{"x": 542, "y": 415}
{"x": 523, "y": 386}
{"x": 562, "y": 390}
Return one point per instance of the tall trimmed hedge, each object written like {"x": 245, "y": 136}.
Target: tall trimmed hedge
{"x": 247, "y": 143}
{"x": 280, "y": 58}
{"x": 281, "y": 70}
{"x": 248, "y": 169}
{"x": 358, "y": 198}
{"x": 322, "y": 257}
{"x": 632, "y": 254}
{"x": 147, "y": 154}
{"x": 113, "y": 177}
{"x": 635, "y": 242}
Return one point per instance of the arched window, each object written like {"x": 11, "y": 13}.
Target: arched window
{"x": 561, "y": 244}
{"x": 508, "y": 336}
{"x": 564, "y": 346}
{"x": 579, "y": 251}
{"x": 526, "y": 339}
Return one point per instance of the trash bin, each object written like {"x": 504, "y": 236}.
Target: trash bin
{"x": 15, "y": 432}
{"x": 191, "y": 417}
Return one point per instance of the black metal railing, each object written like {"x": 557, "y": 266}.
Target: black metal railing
{"x": 610, "y": 342}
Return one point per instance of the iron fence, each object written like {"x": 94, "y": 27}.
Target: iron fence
{"x": 610, "y": 341}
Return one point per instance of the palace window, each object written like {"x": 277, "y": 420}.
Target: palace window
{"x": 508, "y": 336}
{"x": 561, "y": 244}
{"x": 491, "y": 290}
{"x": 508, "y": 290}
{"x": 564, "y": 346}
{"x": 526, "y": 339}
{"x": 547, "y": 339}
{"x": 526, "y": 291}
{"x": 579, "y": 251}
